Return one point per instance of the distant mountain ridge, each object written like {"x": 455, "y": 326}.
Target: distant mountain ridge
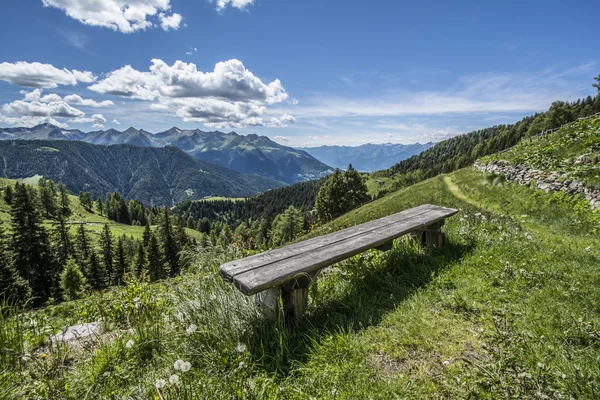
{"x": 155, "y": 176}
{"x": 367, "y": 157}
{"x": 250, "y": 154}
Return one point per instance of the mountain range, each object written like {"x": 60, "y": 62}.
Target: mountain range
{"x": 367, "y": 157}
{"x": 250, "y": 154}
{"x": 155, "y": 176}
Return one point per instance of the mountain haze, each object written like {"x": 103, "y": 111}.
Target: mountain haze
{"x": 250, "y": 154}
{"x": 155, "y": 176}
{"x": 367, "y": 157}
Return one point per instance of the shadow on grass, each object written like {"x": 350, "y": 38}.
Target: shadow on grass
{"x": 373, "y": 285}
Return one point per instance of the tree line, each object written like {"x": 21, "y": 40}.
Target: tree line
{"x": 43, "y": 259}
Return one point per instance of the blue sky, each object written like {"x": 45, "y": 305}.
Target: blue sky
{"x": 303, "y": 72}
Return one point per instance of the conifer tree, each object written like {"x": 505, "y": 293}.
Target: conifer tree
{"x": 33, "y": 256}
{"x": 156, "y": 264}
{"x": 122, "y": 266}
{"x": 8, "y": 194}
{"x": 356, "y": 189}
{"x": 12, "y": 287}
{"x": 287, "y": 226}
{"x": 106, "y": 245}
{"x": 94, "y": 272}
{"x": 72, "y": 280}
{"x": 597, "y": 84}
{"x": 100, "y": 206}
{"x": 140, "y": 260}
{"x": 47, "y": 196}
{"x": 170, "y": 247}
{"x": 62, "y": 239}
{"x": 83, "y": 244}
{"x": 146, "y": 235}
{"x": 63, "y": 199}
{"x": 330, "y": 201}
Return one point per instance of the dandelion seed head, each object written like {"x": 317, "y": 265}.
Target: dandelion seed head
{"x": 178, "y": 364}
{"x": 191, "y": 329}
{"x": 186, "y": 366}
{"x": 213, "y": 297}
{"x": 129, "y": 343}
{"x": 174, "y": 379}
{"x": 159, "y": 384}
{"x": 241, "y": 348}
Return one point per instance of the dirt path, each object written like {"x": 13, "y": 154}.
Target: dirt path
{"x": 458, "y": 193}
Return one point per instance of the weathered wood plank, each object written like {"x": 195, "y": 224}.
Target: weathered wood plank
{"x": 233, "y": 268}
{"x": 280, "y": 271}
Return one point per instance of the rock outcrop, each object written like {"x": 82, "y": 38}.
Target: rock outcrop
{"x": 548, "y": 181}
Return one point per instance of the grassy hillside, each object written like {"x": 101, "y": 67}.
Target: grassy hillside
{"x": 561, "y": 151}
{"x": 508, "y": 309}
{"x": 93, "y": 222}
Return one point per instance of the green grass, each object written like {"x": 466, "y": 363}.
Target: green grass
{"x": 374, "y": 187}
{"x": 558, "y": 151}
{"x": 508, "y": 309}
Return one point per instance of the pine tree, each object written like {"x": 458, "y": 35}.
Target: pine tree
{"x": 8, "y": 195}
{"x": 63, "y": 199}
{"x": 170, "y": 247}
{"x": 287, "y": 226}
{"x": 94, "y": 272}
{"x": 597, "y": 84}
{"x": 331, "y": 200}
{"x": 106, "y": 245}
{"x": 12, "y": 287}
{"x": 140, "y": 260}
{"x": 33, "y": 256}
{"x": 122, "y": 266}
{"x": 356, "y": 189}
{"x": 47, "y": 196}
{"x": 83, "y": 244}
{"x": 100, "y": 206}
{"x": 146, "y": 235}
{"x": 72, "y": 280}
{"x": 62, "y": 238}
{"x": 85, "y": 199}
{"x": 156, "y": 264}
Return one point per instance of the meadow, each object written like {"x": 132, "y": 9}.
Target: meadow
{"x": 508, "y": 309}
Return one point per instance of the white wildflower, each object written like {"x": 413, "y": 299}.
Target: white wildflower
{"x": 186, "y": 366}
{"x": 241, "y": 348}
{"x": 129, "y": 343}
{"x": 178, "y": 364}
{"x": 588, "y": 248}
{"x": 174, "y": 379}
{"x": 159, "y": 384}
{"x": 529, "y": 237}
{"x": 106, "y": 374}
{"x": 191, "y": 329}
{"x": 241, "y": 364}
{"x": 213, "y": 297}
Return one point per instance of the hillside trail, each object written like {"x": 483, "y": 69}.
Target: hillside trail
{"x": 455, "y": 190}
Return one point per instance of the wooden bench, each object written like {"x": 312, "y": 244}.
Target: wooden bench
{"x": 282, "y": 276}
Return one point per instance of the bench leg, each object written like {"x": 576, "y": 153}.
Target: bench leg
{"x": 433, "y": 235}
{"x": 289, "y": 300}
{"x": 386, "y": 246}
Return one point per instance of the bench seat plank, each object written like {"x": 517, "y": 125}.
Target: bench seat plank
{"x": 267, "y": 270}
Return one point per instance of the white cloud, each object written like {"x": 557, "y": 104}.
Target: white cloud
{"x": 126, "y": 16}
{"x": 228, "y": 96}
{"x": 29, "y": 122}
{"x": 38, "y": 109}
{"x": 76, "y": 99}
{"x": 283, "y": 138}
{"x": 188, "y": 53}
{"x": 39, "y": 75}
{"x": 96, "y": 118}
{"x": 170, "y": 21}
{"x": 281, "y": 122}
{"x": 114, "y": 121}
{"x": 239, "y": 4}
{"x": 99, "y": 126}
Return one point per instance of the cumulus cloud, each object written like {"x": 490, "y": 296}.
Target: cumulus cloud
{"x": 40, "y": 75}
{"x": 114, "y": 121}
{"x": 228, "y": 96}
{"x": 168, "y": 22}
{"x": 76, "y": 99}
{"x": 229, "y": 80}
{"x": 96, "y": 118}
{"x": 29, "y": 122}
{"x": 281, "y": 122}
{"x": 239, "y": 4}
{"x": 283, "y": 138}
{"x": 38, "y": 109}
{"x": 126, "y": 16}
{"x": 99, "y": 126}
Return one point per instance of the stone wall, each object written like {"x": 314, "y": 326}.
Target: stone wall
{"x": 548, "y": 181}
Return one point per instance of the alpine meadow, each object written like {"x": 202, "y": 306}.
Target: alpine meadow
{"x": 391, "y": 202}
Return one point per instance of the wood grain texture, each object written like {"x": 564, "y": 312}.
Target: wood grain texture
{"x": 272, "y": 269}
